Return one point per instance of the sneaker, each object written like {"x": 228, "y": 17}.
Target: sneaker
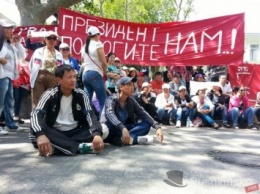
{"x": 18, "y": 120}
{"x": 178, "y": 124}
{"x": 3, "y": 132}
{"x": 252, "y": 127}
{"x": 189, "y": 124}
{"x": 145, "y": 140}
{"x": 235, "y": 127}
{"x": 226, "y": 125}
{"x": 215, "y": 126}
{"x": 171, "y": 123}
{"x": 86, "y": 148}
{"x": 15, "y": 128}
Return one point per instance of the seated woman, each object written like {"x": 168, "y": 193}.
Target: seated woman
{"x": 147, "y": 99}
{"x": 185, "y": 107}
{"x": 218, "y": 99}
{"x": 204, "y": 107}
{"x": 166, "y": 105}
{"x": 239, "y": 108}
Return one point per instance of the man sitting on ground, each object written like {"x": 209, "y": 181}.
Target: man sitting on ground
{"x": 119, "y": 116}
{"x": 63, "y": 119}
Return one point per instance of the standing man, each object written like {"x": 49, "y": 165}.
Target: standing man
{"x": 119, "y": 116}
{"x": 64, "y": 120}
{"x": 14, "y": 51}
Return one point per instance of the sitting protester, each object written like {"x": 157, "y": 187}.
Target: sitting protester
{"x": 175, "y": 84}
{"x": 147, "y": 99}
{"x": 165, "y": 105}
{"x": 204, "y": 107}
{"x": 121, "y": 113}
{"x": 257, "y": 107}
{"x": 63, "y": 121}
{"x": 185, "y": 107}
{"x": 218, "y": 99}
{"x": 239, "y": 108}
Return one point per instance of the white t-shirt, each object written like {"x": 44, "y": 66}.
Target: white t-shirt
{"x": 65, "y": 120}
{"x": 92, "y": 52}
{"x": 226, "y": 88}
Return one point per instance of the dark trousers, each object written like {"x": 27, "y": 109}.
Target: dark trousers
{"x": 135, "y": 130}
{"x": 19, "y": 94}
{"x": 66, "y": 142}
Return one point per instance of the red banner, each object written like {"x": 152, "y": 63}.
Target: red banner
{"x": 215, "y": 41}
{"x": 248, "y": 76}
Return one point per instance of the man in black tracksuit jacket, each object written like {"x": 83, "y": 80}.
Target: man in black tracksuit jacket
{"x": 64, "y": 119}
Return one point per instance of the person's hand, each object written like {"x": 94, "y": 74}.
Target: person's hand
{"x": 145, "y": 100}
{"x": 44, "y": 146}
{"x": 125, "y": 136}
{"x": 16, "y": 38}
{"x": 159, "y": 134}
{"x": 221, "y": 106}
{"x": 3, "y": 61}
{"x": 97, "y": 143}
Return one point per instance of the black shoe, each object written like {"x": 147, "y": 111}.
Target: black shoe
{"x": 2, "y": 124}
{"x": 20, "y": 121}
{"x": 215, "y": 126}
{"x": 117, "y": 141}
{"x": 226, "y": 125}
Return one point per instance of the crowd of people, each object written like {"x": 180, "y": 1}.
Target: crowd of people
{"x": 79, "y": 105}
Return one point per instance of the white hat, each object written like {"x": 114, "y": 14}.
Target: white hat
{"x": 6, "y": 24}
{"x": 63, "y": 45}
{"x": 132, "y": 69}
{"x": 93, "y": 30}
{"x": 166, "y": 86}
{"x": 145, "y": 84}
{"x": 182, "y": 88}
{"x": 117, "y": 59}
{"x": 49, "y": 33}
{"x": 125, "y": 68}
{"x": 217, "y": 84}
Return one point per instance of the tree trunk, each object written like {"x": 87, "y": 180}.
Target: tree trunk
{"x": 36, "y": 12}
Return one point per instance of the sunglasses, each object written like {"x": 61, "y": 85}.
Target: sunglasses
{"x": 117, "y": 61}
{"x": 51, "y": 38}
{"x": 241, "y": 90}
{"x": 65, "y": 49}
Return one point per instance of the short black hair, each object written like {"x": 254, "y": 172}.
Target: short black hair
{"x": 158, "y": 73}
{"x": 60, "y": 70}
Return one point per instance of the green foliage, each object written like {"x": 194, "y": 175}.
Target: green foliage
{"x": 143, "y": 11}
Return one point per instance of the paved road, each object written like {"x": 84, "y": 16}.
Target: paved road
{"x": 134, "y": 169}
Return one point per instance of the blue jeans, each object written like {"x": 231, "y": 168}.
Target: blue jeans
{"x": 135, "y": 130}
{"x": 247, "y": 115}
{"x": 161, "y": 113}
{"x": 257, "y": 113}
{"x": 186, "y": 113}
{"x": 7, "y": 101}
{"x": 93, "y": 82}
{"x": 18, "y": 94}
{"x": 206, "y": 117}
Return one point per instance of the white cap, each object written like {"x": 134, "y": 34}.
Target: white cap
{"x": 49, "y": 33}
{"x": 6, "y": 24}
{"x": 182, "y": 88}
{"x": 166, "y": 86}
{"x": 132, "y": 69}
{"x": 63, "y": 45}
{"x": 125, "y": 68}
{"x": 93, "y": 30}
{"x": 145, "y": 84}
{"x": 117, "y": 59}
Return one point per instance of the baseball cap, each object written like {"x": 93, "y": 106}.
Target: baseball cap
{"x": 145, "y": 84}
{"x": 182, "y": 88}
{"x": 166, "y": 86}
{"x": 124, "y": 80}
{"x": 49, "y": 33}
{"x": 93, "y": 30}
{"x": 63, "y": 45}
{"x": 6, "y": 24}
{"x": 217, "y": 84}
{"x": 117, "y": 59}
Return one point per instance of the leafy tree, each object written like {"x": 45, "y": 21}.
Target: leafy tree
{"x": 37, "y": 11}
